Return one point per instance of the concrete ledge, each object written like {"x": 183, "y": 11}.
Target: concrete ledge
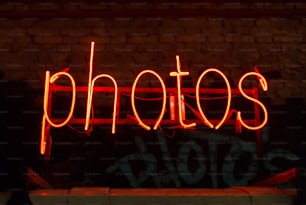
{"x": 4, "y": 197}
{"x": 50, "y": 197}
{"x": 90, "y": 195}
{"x": 234, "y": 195}
{"x": 106, "y": 196}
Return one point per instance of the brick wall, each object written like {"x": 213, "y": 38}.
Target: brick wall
{"x": 131, "y": 35}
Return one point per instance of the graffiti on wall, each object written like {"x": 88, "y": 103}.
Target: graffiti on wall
{"x": 195, "y": 165}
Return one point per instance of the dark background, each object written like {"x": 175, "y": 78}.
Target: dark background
{"x": 130, "y": 36}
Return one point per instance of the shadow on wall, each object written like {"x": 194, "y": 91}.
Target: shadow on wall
{"x": 18, "y": 140}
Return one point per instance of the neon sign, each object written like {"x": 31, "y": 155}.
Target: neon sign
{"x": 133, "y": 100}
{"x": 177, "y": 104}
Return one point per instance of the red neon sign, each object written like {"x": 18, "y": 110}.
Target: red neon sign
{"x": 91, "y": 84}
{"x": 264, "y": 86}
{"x": 229, "y": 97}
{"x": 133, "y": 100}
{"x": 178, "y": 92}
{"x": 178, "y": 75}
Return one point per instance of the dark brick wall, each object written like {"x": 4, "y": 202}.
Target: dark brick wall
{"x": 130, "y": 35}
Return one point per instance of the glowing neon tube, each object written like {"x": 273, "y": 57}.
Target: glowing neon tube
{"x": 264, "y": 86}
{"x": 140, "y": 122}
{"x": 229, "y": 97}
{"x": 178, "y": 75}
{"x": 89, "y": 102}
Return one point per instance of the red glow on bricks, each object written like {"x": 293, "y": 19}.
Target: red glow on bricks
{"x": 175, "y": 95}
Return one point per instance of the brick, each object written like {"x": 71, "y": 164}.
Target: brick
{"x": 71, "y": 5}
{"x": 294, "y": 71}
{"x": 263, "y": 39}
{"x": 238, "y": 30}
{"x": 16, "y": 32}
{"x": 288, "y": 38}
{"x": 167, "y": 37}
{"x": 154, "y": 21}
{"x": 7, "y": 24}
{"x": 44, "y": 6}
{"x": 274, "y": 5}
{"x": 263, "y": 22}
{"x": 92, "y": 22}
{"x": 142, "y": 38}
{"x": 148, "y": 58}
{"x": 212, "y": 31}
{"x": 295, "y": 89}
{"x": 48, "y": 39}
{"x": 259, "y": 5}
{"x": 233, "y": 5}
{"x": 20, "y": 6}
{"x": 57, "y": 24}
{"x": 239, "y": 38}
{"x": 216, "y": 21}
{"x": 4, "y": 49}
{"x": 184, "y": 38}
{"x": 167, "y": 5}
{"x": 124, "y": 48}
{"x": 203, "y": 5}
{"x": 4, "y": 39}
{"x": 171, "y": 23}
{"x": 6, "y": 7}
{"x": 118, "y": 39}
{"x": 199, "y": 38}
{"x": 299, "y": 5}
{"x": 92, "y": 6}
{"x": 303, "y": 88}
{"x": 241, "y": 22}
{"x": 216, "y": 39}
{"x": 276, "y": 89}
{"x": 190, "y": 22}
{"x": 71, "y": 39}
{"x": 76, "y": 32}
{"x": 265, "y": 30}
{"x": 97, "y": 39}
